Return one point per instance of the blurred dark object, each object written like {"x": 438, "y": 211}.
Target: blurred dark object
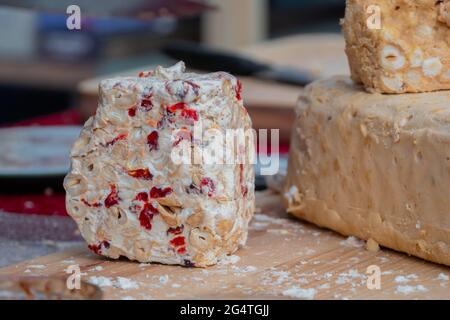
{"x": 140, "y": 9}
{"x": 201, "y": 57}
{"x": 303, "y": 16}
{"x": 20, "y": 102}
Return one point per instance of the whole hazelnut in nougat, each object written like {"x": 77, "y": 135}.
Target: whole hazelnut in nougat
{"x": 129, "y": 195}
{"x": 398, "y": 46}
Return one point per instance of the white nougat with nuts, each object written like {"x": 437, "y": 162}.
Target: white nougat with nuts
{"x": 127, "y": 194}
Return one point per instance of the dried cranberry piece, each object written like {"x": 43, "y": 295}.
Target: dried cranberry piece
{"x": 142, "y": 196}
{"x": 156, "y": 192}
{"x": 132, "y": 111}
{"x": 112, "y": 198}
{"x": 178, "y": 241}
{"x": 146, "y": 216}
{"x": 152, "y": 140}
{"x": 181, "y": 250}
{"x": 189, "y": 114}
{"x": 176, "y": 230}
{"x": 145, "y": 74}
{"x": 122, "y": 136}
{"x": 177, "y": 106}
{"x": 97, "y": 248}
{"x": 239, "y": 90}
{"x": 207, "y": 186}
{"x": 140, "y": 174}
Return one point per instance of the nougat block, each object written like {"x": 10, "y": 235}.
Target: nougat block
{"x": 132, "y": 196}
{"x": 374, "y": 166}
{"x": 409, "y": 52}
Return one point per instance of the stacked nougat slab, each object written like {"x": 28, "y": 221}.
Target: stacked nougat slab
{"x": 373, "y": 160}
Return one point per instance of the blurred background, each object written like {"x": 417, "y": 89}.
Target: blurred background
{"x": 49, "y": 74}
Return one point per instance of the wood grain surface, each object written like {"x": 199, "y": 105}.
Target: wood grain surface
{"x": 284, "y": 259}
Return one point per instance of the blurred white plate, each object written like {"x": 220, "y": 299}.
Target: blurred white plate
{"x": 36, "y": 151}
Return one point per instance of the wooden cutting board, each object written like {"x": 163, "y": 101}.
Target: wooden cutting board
{"x": 284, "y": 258}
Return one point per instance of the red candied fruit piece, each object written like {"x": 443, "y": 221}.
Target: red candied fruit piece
{"x": 189, "y": 114}
{"x": 152, "y": 140}
{"x": 146, "y": 216}
{"x": 156, "y": 192}
{"x": 239, "y": 90}
{"x": 95, "y": 204}
{"x": 181, "y": 250}
{"x": 140, "y": 174}
{"x": 177, "y": 106}
{"x": 175, "y": 230}
{"x": 208, "y": 186}
{"x": 145, "y": 74}
{"x": 142, "y": 196}
{"x": 178, "y": 241}
{"x": 132, "y": 111}
{"x": 122, "y": 136}
{"x": 97, "y": 248}
{"x": 112, "y": 198}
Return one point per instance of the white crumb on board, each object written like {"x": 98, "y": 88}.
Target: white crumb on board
{"x": 127, "y": 298}
{"x": 68, "y": 261}
{"x": 176, "y": 285}
{"x": 246, "y": 269}
{"x": 300, "y": 293}
{"x": 96, "y": 268}
{"x": 442, "y": 277}
{"x": 349, "y": 277}
{"x": 101, "y": 281}
{"x": 291, "y": 193}
{"x": 405, "y": 279}
{"x": 261, "y": 217}
{"x": 225, "y": 260}
{"x": 406, "y": 289}
{"x": 352, "y": 242}
{"x": 119, "y": 282}
{"x": 164, "y": 279}
{"x": 125, "y": 283}
{"x": 36, "y": 266}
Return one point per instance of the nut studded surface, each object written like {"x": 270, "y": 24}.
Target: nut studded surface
{"x": 409, "y": 53}
{"x": 127, "y": 195}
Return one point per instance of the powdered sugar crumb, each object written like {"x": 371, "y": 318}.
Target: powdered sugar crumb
{"x": 125, "y": 283}
{"x": 352, "y": 242}
{"x": 225, "y": 260}
{"x": 300, "y": 293}
{"x": 442, "y": 277}
{"x": 405, "y": 279}
{"x": 164, "y": 279}
{"x": 101, "y": 281}
{"x": 406, "y": 289}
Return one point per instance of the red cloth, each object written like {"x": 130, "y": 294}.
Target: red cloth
{"x": 48, "y": 203}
